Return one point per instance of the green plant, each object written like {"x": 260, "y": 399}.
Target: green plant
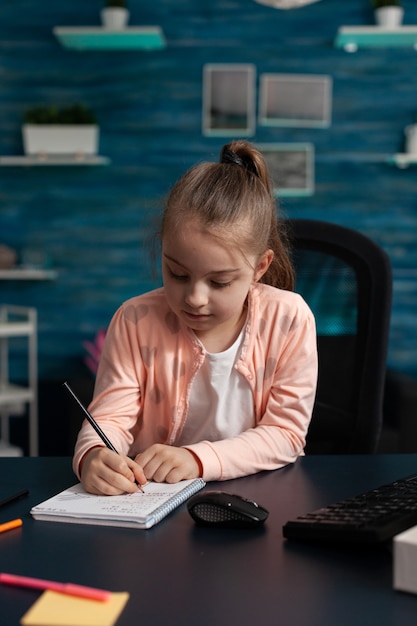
{"x": 116, "y": 3}
{"x": 71, "y": 114}
{"x": 377, "y": 4}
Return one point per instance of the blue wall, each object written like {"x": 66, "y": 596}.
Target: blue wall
{"x": 96, "y": 223}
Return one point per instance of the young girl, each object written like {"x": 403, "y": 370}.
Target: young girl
{"x": 214, "y": 374}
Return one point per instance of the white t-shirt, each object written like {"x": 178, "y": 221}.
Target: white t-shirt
{"x": 221, "y": 401}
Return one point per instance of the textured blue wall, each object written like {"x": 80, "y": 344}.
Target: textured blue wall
{"x": 96, "y": 224}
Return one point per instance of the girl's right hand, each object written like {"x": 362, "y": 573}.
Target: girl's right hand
{"x": 105, "y": 472}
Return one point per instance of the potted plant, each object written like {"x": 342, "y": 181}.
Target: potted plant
{"x": 52, "y": 130}
{"x": 115, "y": 14}
{"x": 388, "y": 13}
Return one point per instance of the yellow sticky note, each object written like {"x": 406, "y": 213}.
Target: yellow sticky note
{"x": 58, "y": 609}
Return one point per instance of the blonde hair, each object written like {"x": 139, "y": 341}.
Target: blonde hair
{"x": 234, "y": 200}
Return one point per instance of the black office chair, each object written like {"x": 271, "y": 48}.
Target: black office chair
{"x": 346, "y": 279}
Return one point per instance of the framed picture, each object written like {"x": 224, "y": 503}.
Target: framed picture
{"x": 229, "y": 102}
{"x": 295, "y": 100}
{"x": 291, "y": 166}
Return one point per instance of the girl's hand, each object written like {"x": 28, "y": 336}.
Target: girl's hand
{"x": 105, "y": 472}
{"x": 163, "y": 463}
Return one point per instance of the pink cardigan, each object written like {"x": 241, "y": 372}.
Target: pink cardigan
{"x": 148, "y": 364}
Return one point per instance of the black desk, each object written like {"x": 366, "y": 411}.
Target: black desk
{"x": 181, "y": 575}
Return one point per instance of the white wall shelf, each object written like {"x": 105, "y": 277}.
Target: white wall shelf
{"x": 351, "y": 38}
{"x": 52, "y": 160}
{"x": 402, "y": 159}
{"x": 98, "y": 38}
{"x": 28, "y": 273}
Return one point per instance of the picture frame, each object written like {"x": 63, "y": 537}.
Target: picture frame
{"x": 303, "y": 100}
{"x": 291, "y": 166}
{"x": 229, "y": 100}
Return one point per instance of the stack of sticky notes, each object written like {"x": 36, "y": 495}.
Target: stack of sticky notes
{"x": 405, "y": 560}
{"x": 58, "y": 609}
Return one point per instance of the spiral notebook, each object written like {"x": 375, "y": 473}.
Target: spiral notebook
{"x": 136, "y": 510}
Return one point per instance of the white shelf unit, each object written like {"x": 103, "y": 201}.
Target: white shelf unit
{"x": 43, "y": 160}
{"x": 28, "y": 273}
{"x": 18, "y": 322}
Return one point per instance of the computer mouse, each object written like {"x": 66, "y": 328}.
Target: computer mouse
{"x": 224, "y": 510}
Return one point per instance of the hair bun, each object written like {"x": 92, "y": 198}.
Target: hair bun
{"x": 230, "y": 156}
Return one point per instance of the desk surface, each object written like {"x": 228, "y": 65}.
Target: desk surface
{"x": 181, "y": 575}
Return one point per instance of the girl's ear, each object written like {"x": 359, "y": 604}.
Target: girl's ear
{"x": 263, "y": 264}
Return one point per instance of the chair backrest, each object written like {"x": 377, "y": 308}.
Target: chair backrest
{"x": 346, "y": 279}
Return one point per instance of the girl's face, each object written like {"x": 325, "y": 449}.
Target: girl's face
{"x": 206, "y": 283}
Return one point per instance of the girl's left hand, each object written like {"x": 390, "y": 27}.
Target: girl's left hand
{"x": 162, "y": 463}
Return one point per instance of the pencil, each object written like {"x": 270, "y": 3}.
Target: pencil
{"x": 91, "y": 420}
{"x": 94, "y": 424}
{"x": 14, "y": 497}
{"x": 15, "y": 523}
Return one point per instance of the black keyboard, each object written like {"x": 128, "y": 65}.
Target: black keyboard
{"x": 371, "y": 517}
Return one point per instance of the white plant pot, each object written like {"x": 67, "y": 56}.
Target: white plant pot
{"x": 411, "y": 139}
{"x": 60, "y": 139}
{"x": 389, "y": 17}
{"x": 114, "y": 18}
